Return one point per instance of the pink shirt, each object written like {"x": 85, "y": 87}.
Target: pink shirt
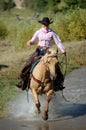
{"x": 45, "y": 38}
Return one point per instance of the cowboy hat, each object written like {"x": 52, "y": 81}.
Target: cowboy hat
{"x": 46, "y": 21}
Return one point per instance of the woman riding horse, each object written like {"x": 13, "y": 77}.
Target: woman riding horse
{"x": 45, "y": 35}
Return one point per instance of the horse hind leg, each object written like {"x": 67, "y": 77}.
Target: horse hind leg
{"x": 36, "y": 100}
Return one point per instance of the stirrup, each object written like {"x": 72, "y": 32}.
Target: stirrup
{"x": 19, "y": 85}
{"x": 61, "y": 88}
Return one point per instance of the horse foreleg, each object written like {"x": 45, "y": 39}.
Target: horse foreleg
{"x": 49, "y": 97}
{"x": 36, "y": 100}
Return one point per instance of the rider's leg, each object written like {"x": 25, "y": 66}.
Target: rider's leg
{"x": 24, "y": 75}
{"x": 59, "y": 80}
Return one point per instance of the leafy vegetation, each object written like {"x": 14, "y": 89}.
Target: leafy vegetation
{"x": 69, "y": 26}
{"x": 72, "y": 26}
{"x": 3, "y": 30}
{"x": 45, "y": 5}
{"x": 76, "y": 3}
{"x": 6, "y": 4}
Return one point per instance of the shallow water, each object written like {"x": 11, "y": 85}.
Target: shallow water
{"x": 75, "y": 93}
{"x": 64, "y": 115}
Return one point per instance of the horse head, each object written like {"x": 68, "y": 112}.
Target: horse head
{"x": 50, "y": 58}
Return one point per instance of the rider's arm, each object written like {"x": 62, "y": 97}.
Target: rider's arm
{"x": 59, "y": 43}
{"x": 33, "y": 39}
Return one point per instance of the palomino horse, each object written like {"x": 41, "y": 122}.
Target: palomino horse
{"x": 41, "y": 82}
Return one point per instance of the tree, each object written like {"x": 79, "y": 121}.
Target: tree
{"x": 76, "y": 3}
{"x": 82, "y": 3}
{"x": 6, "y": 4}
{"x": 52, "y": 5}
{"x": 42, "y": 5}
{"x": 37, "y": 5}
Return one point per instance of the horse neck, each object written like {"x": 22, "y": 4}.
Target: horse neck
{"x": 46, "y": 65}
{"x": 51, "y": 70}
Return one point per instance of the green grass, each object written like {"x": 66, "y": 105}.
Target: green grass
{"x": 7, "y": 92}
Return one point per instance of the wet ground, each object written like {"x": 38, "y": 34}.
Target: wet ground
{"x": 67, "y": 113}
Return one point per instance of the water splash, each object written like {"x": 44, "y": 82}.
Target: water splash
{"x": 22, "y": 109}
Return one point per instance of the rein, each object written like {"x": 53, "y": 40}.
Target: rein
{"x": 65, "y": 66}
{"x": 64, "y": 76}
{"x": 64, "y": 58}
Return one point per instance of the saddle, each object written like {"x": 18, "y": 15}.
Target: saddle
{"x": 34, "y": 64}
{"x": 25, "y": 74}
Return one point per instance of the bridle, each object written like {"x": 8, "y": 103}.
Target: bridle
{"x": 60, "y": 63}
{"x": 64, "y": 58}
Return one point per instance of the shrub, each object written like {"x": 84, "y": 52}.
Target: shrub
{"x": 72, "y": 26}
{"x": 77, "y": 24}
{"x": 3, "y": 30}
{"x": 62, "y": 28}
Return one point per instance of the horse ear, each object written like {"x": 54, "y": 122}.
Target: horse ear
{"x": 48, "y": 51}
{"x": 48, "y": 59}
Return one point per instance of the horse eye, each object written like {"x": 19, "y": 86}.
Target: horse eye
{"x": 48, "y": 62}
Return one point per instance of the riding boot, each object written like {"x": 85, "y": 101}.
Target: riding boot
{"x": 59, "y": 80}
{"x": 23, "y": 83}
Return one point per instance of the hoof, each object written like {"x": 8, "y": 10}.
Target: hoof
{"x": 45, "y": 116}
{"x": 39, "y": 111}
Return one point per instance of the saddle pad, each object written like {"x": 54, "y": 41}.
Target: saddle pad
{"x": 34, "y": 64}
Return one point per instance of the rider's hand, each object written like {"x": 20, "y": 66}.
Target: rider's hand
{"x": 64, "y": 53}
{"x": 28, "y": 43}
